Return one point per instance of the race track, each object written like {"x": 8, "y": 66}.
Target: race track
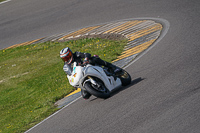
{"x": 165, "y": 99}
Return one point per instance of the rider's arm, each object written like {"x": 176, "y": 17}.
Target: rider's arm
{"x": 83, "y": 55}
{"x": 86, "y": 57}
{"x": 67, "y": 68}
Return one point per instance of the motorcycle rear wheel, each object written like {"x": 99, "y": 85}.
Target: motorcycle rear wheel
{"x": 124, "y": 77}
{"x": 103, "y": 92}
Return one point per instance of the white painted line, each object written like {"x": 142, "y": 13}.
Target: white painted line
{"x": 53, "y": 114}
{"x": 4, "y": 2}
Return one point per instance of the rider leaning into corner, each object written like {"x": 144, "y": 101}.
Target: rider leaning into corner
{"x": 69, "y": 58}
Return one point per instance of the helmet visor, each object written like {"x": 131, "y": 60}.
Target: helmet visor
{"x": 68, "y": 57}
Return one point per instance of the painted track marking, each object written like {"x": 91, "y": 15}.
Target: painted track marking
{"x": 4, "y": 2}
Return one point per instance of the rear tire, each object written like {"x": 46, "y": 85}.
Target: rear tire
{"x": 124, "y": 77}
{"x": 103, "y": 92}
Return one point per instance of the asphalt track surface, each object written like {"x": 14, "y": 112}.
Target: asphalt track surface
{"x": 164, "y": 94}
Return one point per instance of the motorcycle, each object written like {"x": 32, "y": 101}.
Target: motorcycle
{"x": 96, "y": 80}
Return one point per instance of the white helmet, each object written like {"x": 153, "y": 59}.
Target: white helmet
{"x": 66, "y": 55}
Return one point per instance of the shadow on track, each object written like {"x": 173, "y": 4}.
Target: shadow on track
{"x": 133, "y": 82}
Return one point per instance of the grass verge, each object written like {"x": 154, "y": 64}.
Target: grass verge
{"x": 2, "y": 0}
{"x": 32, "y": 79}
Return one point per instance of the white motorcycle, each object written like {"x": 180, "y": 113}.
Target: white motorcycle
{"x": 96, "y": 80}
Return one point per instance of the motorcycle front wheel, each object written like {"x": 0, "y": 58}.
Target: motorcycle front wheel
{"x": 101, "y": 92}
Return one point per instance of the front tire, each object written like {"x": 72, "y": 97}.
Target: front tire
{"x": 102, "y": 92}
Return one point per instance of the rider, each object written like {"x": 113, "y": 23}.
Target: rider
{"x": 68, "y": 57}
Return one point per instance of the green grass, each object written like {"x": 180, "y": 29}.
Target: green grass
{"x": 32, "y": 79}
{"x": 2, "y": 0}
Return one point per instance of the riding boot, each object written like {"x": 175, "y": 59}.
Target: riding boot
{"x": 85, "y": 94}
